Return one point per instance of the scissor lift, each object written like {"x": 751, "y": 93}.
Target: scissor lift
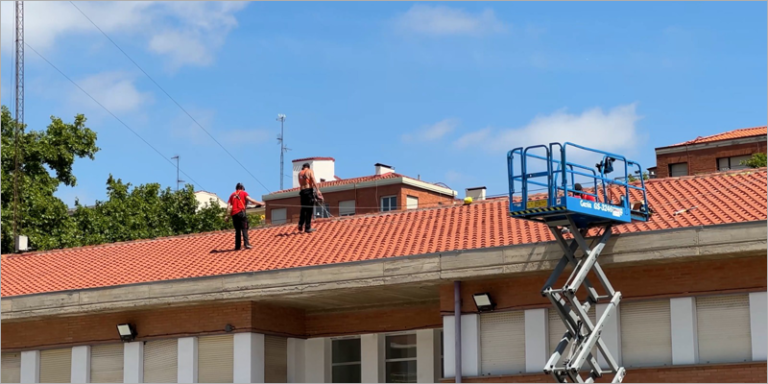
{"x": 565, "y": 213}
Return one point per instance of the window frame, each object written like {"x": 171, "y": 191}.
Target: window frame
{"x": 391, "y": 206}
{"x": 272, "y": 216}
{"x": 409, "y": 197}
{"x": 730, "y": 166}
{"x": 687, "y": 169}
{"x": 401, "y": 359}
{"x": 354, "y": 208}
{"x": 351, "y": 363}
{"x": 318, "y": 213}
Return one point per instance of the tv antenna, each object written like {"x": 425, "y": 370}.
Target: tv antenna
{"x": 283, "y": 148}
{"x": 178, "y": 181}
{"x": 19, "y": 128}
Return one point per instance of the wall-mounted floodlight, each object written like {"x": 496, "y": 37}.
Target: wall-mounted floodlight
{"x": 483, "y": 302}
{"x": 126, "y": 331}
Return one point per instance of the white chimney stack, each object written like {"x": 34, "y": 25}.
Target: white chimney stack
{"x": 477, "y": 193}
{"x": 383, "y": 169}
{"x": 324, "y": 168}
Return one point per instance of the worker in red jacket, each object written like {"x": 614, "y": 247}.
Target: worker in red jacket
{"x": 581, "y": 195}
{"x": 236, "y": 204}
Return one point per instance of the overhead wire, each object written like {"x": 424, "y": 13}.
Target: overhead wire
{"x": 170, "y": 97}
{"x": 110, "y": 112}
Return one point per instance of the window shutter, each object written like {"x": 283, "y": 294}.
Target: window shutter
{"x": 679, "y": 169}
{"x": 215, "y": 359}
{"x": 278, "y": 216}
{"x": 646, "y": 333}
{"x": 56, "y": 365}
{"x": 11, "y": 367}
{"x": 724, "y": 329}
{"x": 347, "y": 208}
{"x": 161, "y": 361}
{"x": 107, "y": 363}
{"x": 502, "y": 343}
{"x": 275, "y": 359}
{"x": 557, "y": 329}
{"x": 412, "y": 202}
{"x": 738, "y": 159}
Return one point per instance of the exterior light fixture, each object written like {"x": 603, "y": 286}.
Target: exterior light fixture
{"x": 483, "y": 302}
{"x": 127, "y": 332}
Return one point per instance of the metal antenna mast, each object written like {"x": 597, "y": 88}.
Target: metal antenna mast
{"x": 283, "y": 149}
{"x": 19, "y": 128}
{"x": 178, "y": 181}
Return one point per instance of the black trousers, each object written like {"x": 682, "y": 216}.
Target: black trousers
{"x": 241, "y": 225}
{"x": 307, "y": 208}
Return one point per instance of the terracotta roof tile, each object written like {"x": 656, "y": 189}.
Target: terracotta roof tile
{"x": 728, "y": 197}
{"x": 735, "y": 134}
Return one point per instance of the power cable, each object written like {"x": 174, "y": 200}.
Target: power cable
{"x": 170, "y": 97}
{"x": 110, "y": 112}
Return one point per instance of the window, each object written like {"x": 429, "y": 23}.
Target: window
{"x": 442, "y": 355}
{"x": 107, "y": 363}
{"x": 347, "y": 208}
{"x": 388, "y": 203}
{"x": 345, "y": 361}
{"x": 557, "y": 330}
{"x": 215, "y": 359}
{"x": 11, "y": 367}
{"x": 502, "y": 343}
{"x": 161, "y": 359}
{"x": 275, "y": 359}
{"x": 679, "y": 169}
{"x": 412, "y": 202}
{"x": 724, "y": 329}
{"x": 322, "y": 211}
{"x": 646, "y": 333}
{"x": 279, "y": 216}
{"x": 400, "y": 358}
{"x": 56, "y": 366}
{"x": 733, "y": 162}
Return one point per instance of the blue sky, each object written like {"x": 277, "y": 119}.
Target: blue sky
{"x": 440, "y": 90}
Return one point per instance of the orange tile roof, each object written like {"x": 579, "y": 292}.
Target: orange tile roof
{"x": 735, "y": 134}
{"x": 727, "y": 197}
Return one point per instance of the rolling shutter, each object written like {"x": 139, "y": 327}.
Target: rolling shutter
{"x": 161, "y": 361}
{"x": 724, "y": 329}
{"x": 56, "y": 365}
{"x": 215, "y": 359}
{"x": 275, "y": 359}
{"x": 502, "y": 343}
{"x": 107, "y": 363}
{"x": 679, "y": 169}
{"x": 11, "y": 367}
{"x": 557, "y": 329}
{"x": 347, "y": 208}
{"x": 411, "y": 202}
{"x": 279, "y": 216}
{"x": 646, "y": 333}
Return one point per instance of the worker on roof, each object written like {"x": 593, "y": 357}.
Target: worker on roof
{"x": 581, "y": 195}
{"x": 236, "y": 204}
{"x": 308, "y": 197}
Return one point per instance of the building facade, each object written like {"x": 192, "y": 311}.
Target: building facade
{"x": 373, "y": 298}
{"x": 721, "y": 152}
{"x": 384, "y": 191}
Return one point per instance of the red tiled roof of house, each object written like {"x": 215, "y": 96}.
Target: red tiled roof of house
{"x": 353, "y": 180}
{"x": 735, "y": 134}
{"x": 727, "y": 197}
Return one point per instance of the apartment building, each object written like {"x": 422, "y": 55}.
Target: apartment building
{"x": 373, "y": 298}
{"x": 720, "y": 152}
{"x": 383, "y": 191}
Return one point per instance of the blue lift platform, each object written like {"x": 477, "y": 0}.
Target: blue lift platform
{"x": 549, "y": 195}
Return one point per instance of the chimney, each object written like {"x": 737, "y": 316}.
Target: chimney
{"x": 477, "y": 193}
{"x": 383, "y": 169}
{"x": 324, "y": 168}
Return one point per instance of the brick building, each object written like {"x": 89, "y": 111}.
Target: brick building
{"x": 384, "y": 191}
{"x": 371, "y": 298}
{"x": 720, "y": 152}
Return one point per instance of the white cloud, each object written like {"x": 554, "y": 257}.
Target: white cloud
{"x": 613, "y": 131}
{"x": 445, "y": 21}
{"x": 115, "y": 90}
{"x": 184, "y": 32}
{"x": 433, "y": 132}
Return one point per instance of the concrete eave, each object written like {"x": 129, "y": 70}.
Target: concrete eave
{"x": 368, "y": 184}
{"x": 693, "y": 243}
{"x": 712, "y": 144}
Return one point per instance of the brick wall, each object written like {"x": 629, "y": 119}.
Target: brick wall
{"x": 659, "y": 280}
{"x": 367, "y": 200}
{"x": 716, "y": 373}
{"x": 704, "y": 160}
{"x": 374, "y": 321}
{"x": 153, "y": 324}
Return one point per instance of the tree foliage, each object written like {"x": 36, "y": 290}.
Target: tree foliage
{"x": 758, "y": 160}
{"x": 142, "y": 212}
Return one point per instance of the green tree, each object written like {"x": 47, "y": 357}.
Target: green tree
{"x": 45, "y": 161}
{"x": 757, "y": 160}
{"x": 633, "y": 178}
